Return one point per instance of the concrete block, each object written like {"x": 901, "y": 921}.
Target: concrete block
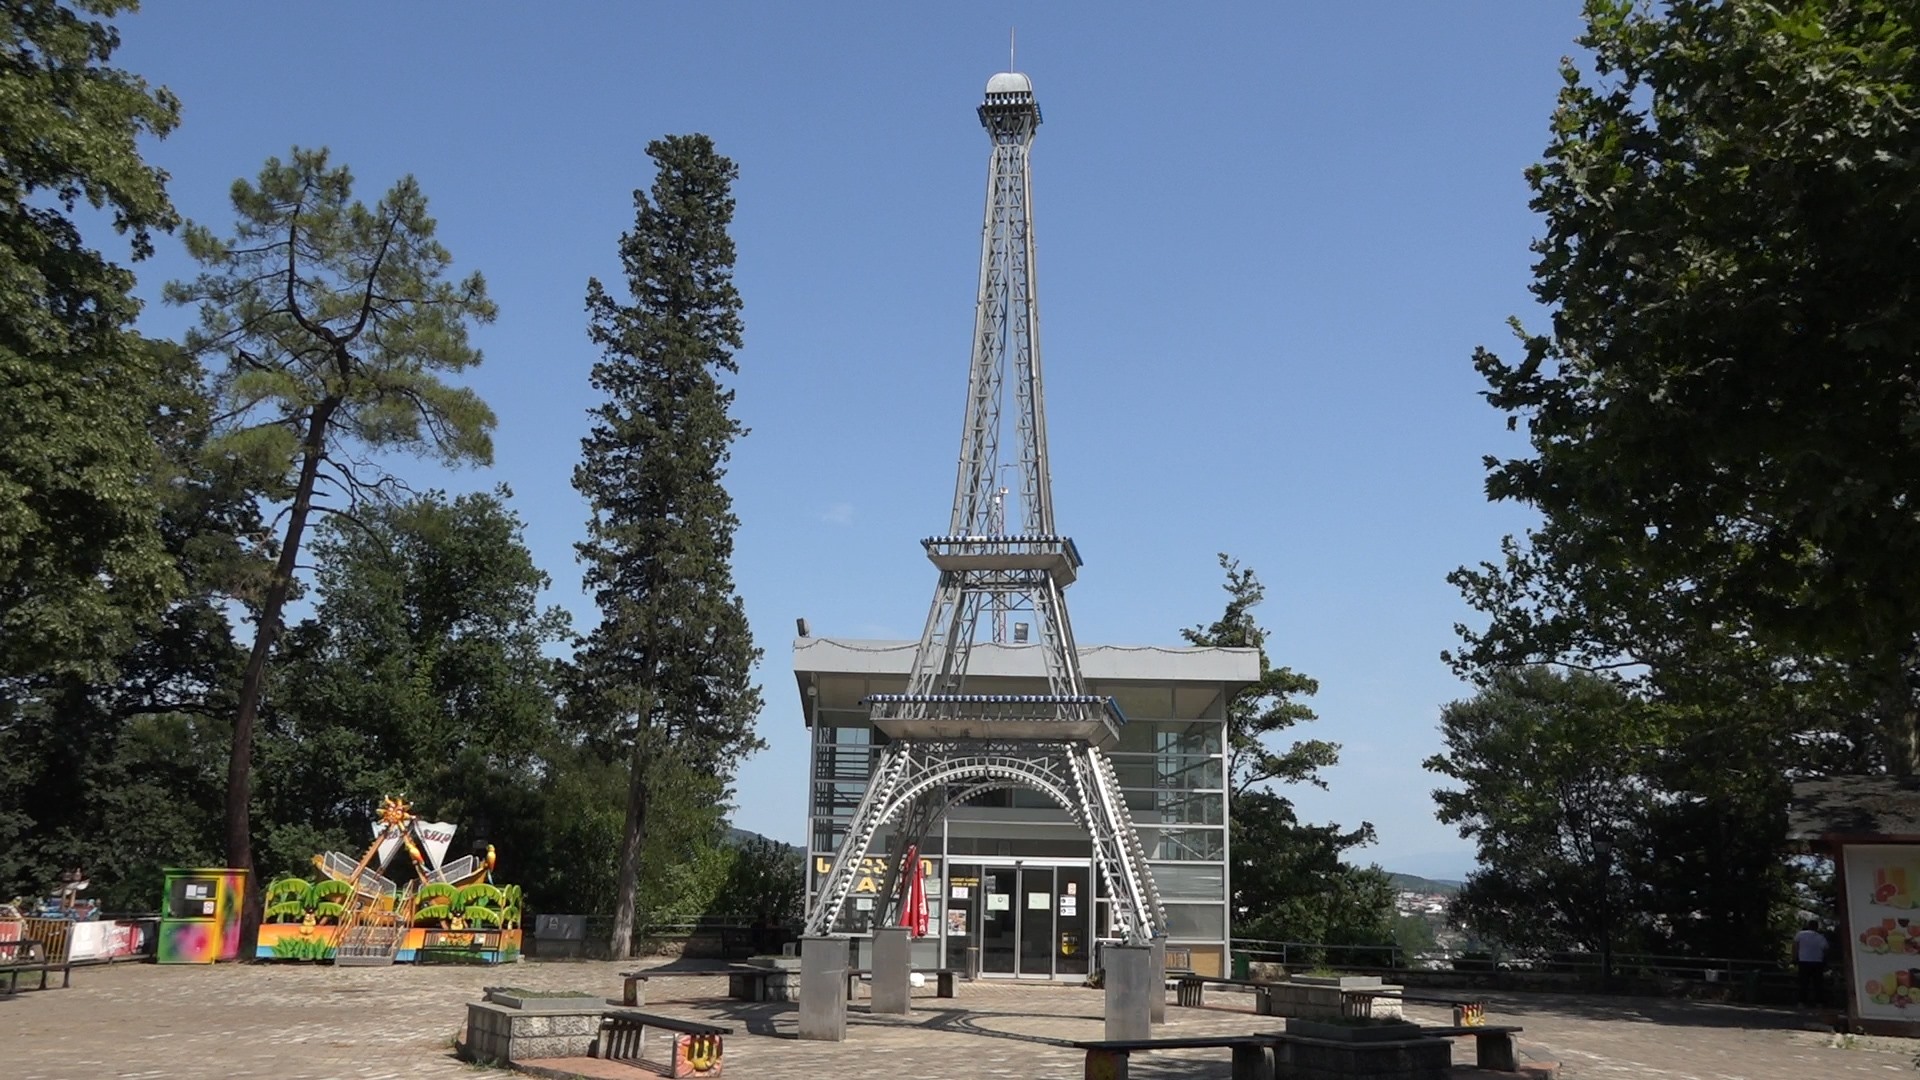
{"x": 892, "y": 966}
{"x": 1157, "y": 1004}
{"x": 823, "y": 989}
{"x": 1130, "y": 990}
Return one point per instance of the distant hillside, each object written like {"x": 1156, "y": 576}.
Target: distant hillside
{"x": 1414, "y": 883}
{"x": 747, "y": 836}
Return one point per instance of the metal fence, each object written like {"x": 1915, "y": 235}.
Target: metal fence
{"x": 1300, "y": 955}
{"x": 712, "y": 936}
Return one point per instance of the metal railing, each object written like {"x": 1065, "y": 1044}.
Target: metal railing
{"x": 1301, "y": 955}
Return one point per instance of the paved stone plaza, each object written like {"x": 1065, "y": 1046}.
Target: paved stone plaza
{"x": 299, "y": 1022}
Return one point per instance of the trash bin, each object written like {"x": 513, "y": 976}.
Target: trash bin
{"x": 200, "y": 914}
{"x": 1241, "y": 965}
{"x": 559, "y": 935}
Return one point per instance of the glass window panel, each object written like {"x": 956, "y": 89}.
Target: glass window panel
{"x": 1173, "y": 771}
{"x": 1167, "y": 771}
{"x": 843, "y": 763}
{"x": 850, "y": 729}
{"x": 1196, "y": 921}
{"x": 1190, "y": 807}
{"x": 1185, "y": 845}
{"x": 1190, "y": 882}
{"x": 837, "y": 800}
{"x": 1195, "y": 738}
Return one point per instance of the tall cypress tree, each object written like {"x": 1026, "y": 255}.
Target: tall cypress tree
{"x": 666, "y": 676}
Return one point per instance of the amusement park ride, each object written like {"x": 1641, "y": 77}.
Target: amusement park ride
{"x": 358, "y": 915}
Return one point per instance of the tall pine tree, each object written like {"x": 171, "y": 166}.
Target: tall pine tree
{"x": 335, "y": 322}
{"x": 666, "y": 677}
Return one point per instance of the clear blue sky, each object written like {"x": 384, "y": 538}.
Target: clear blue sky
{"x": 1270, "y": 237}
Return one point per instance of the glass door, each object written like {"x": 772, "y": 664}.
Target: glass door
{"x": 1036, "y": 922}
{"x": 999, "y": 919}
{"x": 1073, "y": 906}
{"x": 1033, "y": 922}
{"x": 963, "y": 913}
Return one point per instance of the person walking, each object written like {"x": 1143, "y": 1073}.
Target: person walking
{"x": 1810, "y": 957}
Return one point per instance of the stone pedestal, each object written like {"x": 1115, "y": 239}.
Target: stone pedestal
{"x": 823, "y": 989}
{"x": 1157, "y": 1004}
{"x": 497, "y": 1034}
{"x": 1128, "y": 971}
{"x": 892, "y": 964}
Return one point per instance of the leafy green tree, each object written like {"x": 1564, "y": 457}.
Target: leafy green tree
{"x": 666, "y": 676}
{"x": 82, "y": 563}
{"x": 1267, "y": 707}
{"x": 111, "y": 773}
{"x": 767, "y": 882}
{"x": 1290, "y": 880}
{"x": 423, "y": 670}
{"x": 1724, "y": 437}
{"x": 1552, "y": 789}
{"x": 1414, "y": 936}
{"x": 334, "y": 322}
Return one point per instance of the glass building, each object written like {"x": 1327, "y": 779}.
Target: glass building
{"x": 1009, "y": 874}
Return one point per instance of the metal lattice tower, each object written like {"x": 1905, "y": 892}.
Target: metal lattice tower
{"x": 949, "y": 745}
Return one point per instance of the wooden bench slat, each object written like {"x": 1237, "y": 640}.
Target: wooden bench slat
{"x": 1490, "y": 1029}
{"x": 1197, "y": 1042}
{"x": 690, "y": 1027}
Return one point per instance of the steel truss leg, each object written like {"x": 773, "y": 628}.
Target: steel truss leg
{"x": 921, "y": 777}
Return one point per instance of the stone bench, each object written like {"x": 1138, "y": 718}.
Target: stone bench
{"x": 743, "y": 983}
{"x": 944, "y": 979}
{"x": 1190, "y": 990}
{"x": 1107, "y": 1059}
{"x": 697, "y": 1047}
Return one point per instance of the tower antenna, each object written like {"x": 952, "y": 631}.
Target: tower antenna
{"x": 1011, "y": 64}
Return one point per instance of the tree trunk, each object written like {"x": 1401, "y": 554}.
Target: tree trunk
{"x": 633, "y": 840}
{"x": 252, "y": 685}
{"x": 1900, "y": 715}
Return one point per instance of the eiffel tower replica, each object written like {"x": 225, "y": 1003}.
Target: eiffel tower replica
{"x": 949, "y": 745}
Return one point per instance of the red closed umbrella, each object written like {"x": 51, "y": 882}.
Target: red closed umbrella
{"x": 913, "y": 913}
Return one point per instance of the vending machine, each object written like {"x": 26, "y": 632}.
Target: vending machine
{"x": 200, "y": 915}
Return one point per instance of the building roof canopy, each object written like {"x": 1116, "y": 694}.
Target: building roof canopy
{"x": 838, "y": 669}
{"x": 1854, "y": 806}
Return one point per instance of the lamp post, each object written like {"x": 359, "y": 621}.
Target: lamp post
{"x": 1603, "y": 850}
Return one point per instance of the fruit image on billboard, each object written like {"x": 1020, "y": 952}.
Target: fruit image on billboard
{"x": 1883, "y": 889}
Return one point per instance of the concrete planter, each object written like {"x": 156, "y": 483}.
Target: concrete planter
{"x": 524, "y": 1001}
{"x": 498, "y": 1034}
